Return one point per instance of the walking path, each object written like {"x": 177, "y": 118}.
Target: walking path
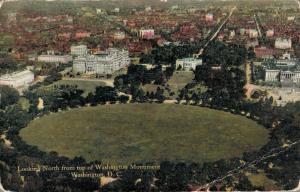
{"x": 272, "y": 153}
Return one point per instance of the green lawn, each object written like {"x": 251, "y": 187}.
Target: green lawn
{"x": 181, "y": 78}
{"x": 261, "y": 180}
{"x": 146, "y": 133}
{"x": 178, "y": 80}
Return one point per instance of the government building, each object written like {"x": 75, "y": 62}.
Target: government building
{"x": 17, "y": 79}
{"x": 282, "y": 76}
{"x": 55, "y": 58}
{"x": 104, "y": 63}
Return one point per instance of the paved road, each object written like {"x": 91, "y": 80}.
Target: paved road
{"x": 108, "y": 82}
{"x": 217, "y": 32}
{"x": 257, "y": 26}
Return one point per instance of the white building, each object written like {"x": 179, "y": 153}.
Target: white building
{"x": 148, "y": 9}
{"x": 55, "y": 58}
{"x": 17, "y": 79}
{"x": 119, "y": 35}
{"x": 79, "y": 50}
{"x": 209, "y": 17}
{"x": 283, "y": 43}
{"x": 272, "y": 75}
{"x": 98, "y": 11}
{"x": 253, "y": 33}
{"x": 288, "y": 76}
{"x": 105, "y": 63}
{"x": 232, "y": 34}
{"x": 270, "y": 33}
{"x": 188, "y": 63}
{"x": 282, "y": 76}
{"x": 116, "y": 10}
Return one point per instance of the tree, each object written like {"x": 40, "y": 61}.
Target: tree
{"x": 123, "y": 98}
{"x": 169, "y": 72}
{"x": 251, "y": 53}
{"x": 8, "y": 65}
{"x": 203, "y": 73}
{"x": 8, "y": 96}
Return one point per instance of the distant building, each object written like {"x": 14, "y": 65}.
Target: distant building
{"x": 119, "y": 35}
{"x": 79, "y": 50}
{"x": 80, "y": 35}
{"x": 286, "y": 61}
{"x": 191, "y": 10}
{"x": 125, "y": 21}
{"x": 232, "y": 33}
{"x": 99, "y": 11}
{"x": 17, "y": 79}
{"x": 105, "y": 63}
{"x": 291, "y": 18}
{"x": 263, "y": 52}
{"x": 116, "y": 10}
{"x": 209, "y": 17}
{"x": 270, "y": 33}
{"x": 253, "y": 33}
{"x": 242, "y": 31}
{"x": 147, "y": 33}
{"x": 64, "y": 35}
{"x": 188, "y": 63}
{"x": 175, "y": 7}
{"x": 148, "y": 9}
{"x": 283, "y": 43}
{"x": 55, "y": 58}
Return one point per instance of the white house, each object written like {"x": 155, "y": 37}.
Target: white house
{"x": 188, "y": 63}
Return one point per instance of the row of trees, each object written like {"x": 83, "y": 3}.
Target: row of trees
{"x": 224, "y": 55}
{"x": 8, "y": 65}
{"x": 139, "y": 75}
{"x": 169, "y": 54}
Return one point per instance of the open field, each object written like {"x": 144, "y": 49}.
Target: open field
{"x": 146, "y": 133}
